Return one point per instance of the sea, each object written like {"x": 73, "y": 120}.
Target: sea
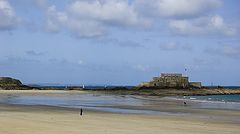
{"x": 215, "y": 98}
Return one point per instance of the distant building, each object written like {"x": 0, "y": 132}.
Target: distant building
{"x": 171, "y": 80}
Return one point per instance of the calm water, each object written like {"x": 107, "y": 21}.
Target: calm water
{"x": 114, "y": 103}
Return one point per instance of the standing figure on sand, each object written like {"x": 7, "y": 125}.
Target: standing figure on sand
{"x": 81, "y": 112}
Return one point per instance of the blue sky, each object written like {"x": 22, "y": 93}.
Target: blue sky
{"x": 119, "y": 42}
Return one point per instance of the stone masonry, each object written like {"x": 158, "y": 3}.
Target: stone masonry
{"x": 171, "y": 80}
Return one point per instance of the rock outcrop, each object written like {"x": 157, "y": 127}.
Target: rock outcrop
{"x": 7, "y": 83}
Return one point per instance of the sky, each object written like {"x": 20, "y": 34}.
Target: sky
{"x": 119, "y": 42}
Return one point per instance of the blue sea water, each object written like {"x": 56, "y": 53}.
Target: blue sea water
{"x": 213, "y": 101}
{"x": 91, "y": 87}
{"x": 219, "y": 98}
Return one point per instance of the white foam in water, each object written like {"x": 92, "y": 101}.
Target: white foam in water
{"x": 213, "y": 102}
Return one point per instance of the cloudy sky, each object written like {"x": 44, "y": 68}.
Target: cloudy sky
{"x": 119, "y": 42}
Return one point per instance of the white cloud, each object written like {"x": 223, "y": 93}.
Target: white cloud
{"x": 92, "y": 18}
{"x": 232, "y": 51}
{"x": 41, "y": 3}
{"x": 85, "y": 28}
{"x": 122, "y": 43}
{"x": 80, "y": 62}
{"x": 202, "y": 26}
{"x": 34, "y": 53}
{"x": 30, "y": 4}
{"x": 142, "y": 68}
{"x": 114, "y": 12}
{"x": 173, "y": 46}
{"x": 169, "y": 46}
{"x": 80, "y": 28}
{"x": 55, "y": 19}
{"x": 7, "y": 15}
{"x": 176, "y": 8}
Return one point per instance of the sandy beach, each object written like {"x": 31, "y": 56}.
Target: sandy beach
{"x": 41, "y": 120}
{"x": 22, "y": 119}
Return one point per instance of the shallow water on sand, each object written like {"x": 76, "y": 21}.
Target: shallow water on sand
{"x": 100, "y": 102}
{"x": 113, "y": 103}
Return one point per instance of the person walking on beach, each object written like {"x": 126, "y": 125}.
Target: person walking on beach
{"x": 81, "y": 112}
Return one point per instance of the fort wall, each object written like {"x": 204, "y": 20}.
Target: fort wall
{"x": 171, "y": 80}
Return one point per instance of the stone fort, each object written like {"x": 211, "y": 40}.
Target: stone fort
{"x": 171, "y": 80}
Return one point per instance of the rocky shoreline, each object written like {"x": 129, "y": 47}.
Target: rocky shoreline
{"x": 168, "y": 92}
{"x": 7, "y": 83}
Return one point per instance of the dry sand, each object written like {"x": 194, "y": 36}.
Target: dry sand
{"x": 16, "y": 119}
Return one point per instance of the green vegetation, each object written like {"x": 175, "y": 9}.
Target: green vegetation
{"x": 7, "y": 81}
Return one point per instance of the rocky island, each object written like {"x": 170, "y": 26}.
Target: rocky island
{"x": 169, "y": 84}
